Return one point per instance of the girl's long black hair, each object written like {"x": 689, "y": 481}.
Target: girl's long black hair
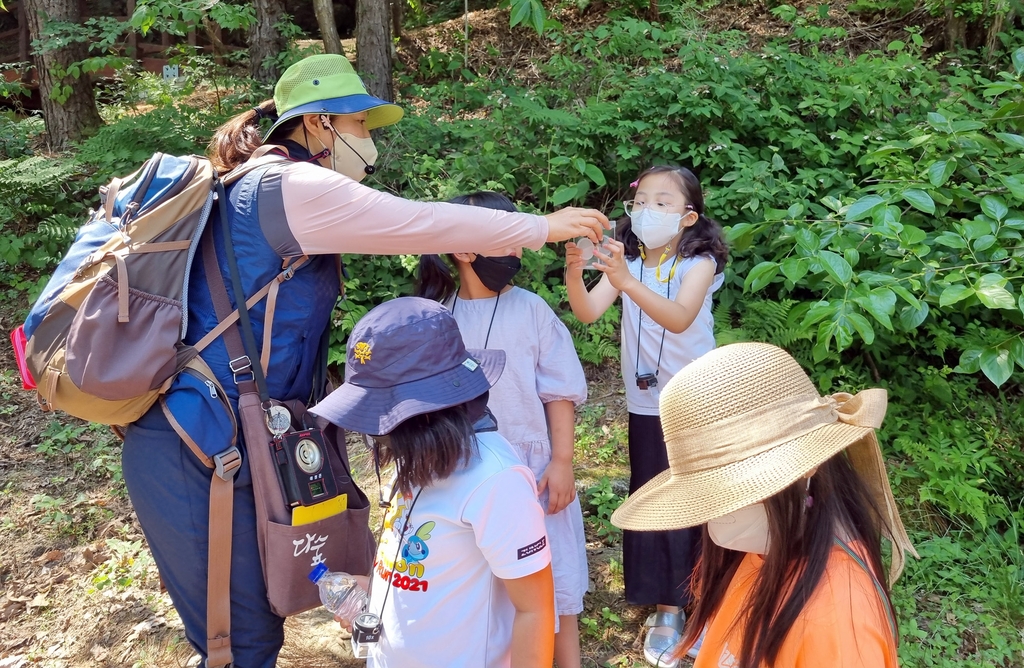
{"x": 704, "y": 237}
{"x": 802, "y": 541}
{"x": 436, "y": 277}
{"x": 430, "y": 447}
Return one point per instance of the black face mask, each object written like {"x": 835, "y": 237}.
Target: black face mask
{"x": 496, "y": 272}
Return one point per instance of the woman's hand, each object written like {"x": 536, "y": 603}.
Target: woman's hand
{"x": 612, "y": 263}
{"x": 573, "y": 222}
{"x": 573, "y": 262}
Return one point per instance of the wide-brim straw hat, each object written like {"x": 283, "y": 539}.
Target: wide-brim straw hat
{"x": 744, "y": 422}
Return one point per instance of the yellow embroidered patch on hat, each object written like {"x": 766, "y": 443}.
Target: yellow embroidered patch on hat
{"x": 362, "y": 352}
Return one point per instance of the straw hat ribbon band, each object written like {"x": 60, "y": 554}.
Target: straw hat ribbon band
{"x": 769, "y": 425}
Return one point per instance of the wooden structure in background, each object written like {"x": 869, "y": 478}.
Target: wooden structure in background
{"x": 151, "y": 56}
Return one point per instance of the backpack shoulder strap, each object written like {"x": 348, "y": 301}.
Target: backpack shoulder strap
{"x": 890, "y": 617}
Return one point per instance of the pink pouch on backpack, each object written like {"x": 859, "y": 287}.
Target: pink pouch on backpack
{"x": 18, "y": 340}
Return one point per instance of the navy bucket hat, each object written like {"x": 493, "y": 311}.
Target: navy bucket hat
{"x": 404, "y": 358}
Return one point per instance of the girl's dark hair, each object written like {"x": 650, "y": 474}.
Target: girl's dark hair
{"x": 704, "y": 237}
{"x": 235, "y": 141}
{"x": 803, "y": 539}
{"x": 430, "y": 447}
{"x": 436, "y": 277}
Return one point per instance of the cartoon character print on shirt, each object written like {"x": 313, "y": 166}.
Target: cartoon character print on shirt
{"x": 399, "y": 538}
{"x": 416, "y": 547}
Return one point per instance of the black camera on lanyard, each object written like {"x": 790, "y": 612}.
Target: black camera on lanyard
{"x": 304, "y": 467}
{"x": 646, "y": 381}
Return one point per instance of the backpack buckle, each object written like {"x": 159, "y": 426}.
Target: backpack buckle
{"x": 227, "y": 463}
{"x": 239, "y": 366}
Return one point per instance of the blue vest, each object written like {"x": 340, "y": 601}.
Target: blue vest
{"x": 302, "y": 314}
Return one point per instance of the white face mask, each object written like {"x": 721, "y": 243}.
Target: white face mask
{"x": 745, "y": 530}
{"x": 351, "y": 155}
{"x": 655, "y": 229}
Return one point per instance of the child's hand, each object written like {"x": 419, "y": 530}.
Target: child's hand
{"x": 612, "y": 263}
{"x": 561, "y": 485}
{"x": 573, "y": 261}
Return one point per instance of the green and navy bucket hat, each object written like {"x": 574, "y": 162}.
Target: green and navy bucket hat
{"x": 328, "y": 84}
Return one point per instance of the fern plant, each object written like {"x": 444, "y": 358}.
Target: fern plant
{"x": 39, "y": 210}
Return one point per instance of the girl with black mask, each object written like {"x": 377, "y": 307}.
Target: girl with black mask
{"x": 534, "y": 400}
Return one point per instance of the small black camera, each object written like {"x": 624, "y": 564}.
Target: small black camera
{"x": 304, "y": 467}
{"x": 646, "y": 381}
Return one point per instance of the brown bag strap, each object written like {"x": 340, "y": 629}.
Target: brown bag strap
{"x": 218, "y": 583}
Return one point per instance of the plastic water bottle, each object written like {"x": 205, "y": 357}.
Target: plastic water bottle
{"x": 339, "y": 592}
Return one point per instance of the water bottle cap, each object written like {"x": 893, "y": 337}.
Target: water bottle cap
{"x": 318, "y": 572}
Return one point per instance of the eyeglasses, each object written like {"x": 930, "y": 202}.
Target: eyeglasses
{"x": 634, "y": 206}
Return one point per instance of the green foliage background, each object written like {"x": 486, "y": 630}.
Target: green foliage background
{"x": 874, "y": 205}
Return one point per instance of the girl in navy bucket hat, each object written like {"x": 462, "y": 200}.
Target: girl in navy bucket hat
{"x": 462, "y": 576}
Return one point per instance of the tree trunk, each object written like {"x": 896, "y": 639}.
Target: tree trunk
{"x": 397, "y": 17}
{"x": 266, "y": 41}
{"x": 328, "y": 26}
{"x": 70, "y": 120}
{"x": 956, "y": 30}
{"x": 1003, "y": 16}
{"x": 373, "y": 47}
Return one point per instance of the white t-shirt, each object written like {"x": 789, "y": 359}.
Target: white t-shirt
{"x": 447, "y": 604}
{"x": 541, "y": 364}
{"x": 679, "y": 349}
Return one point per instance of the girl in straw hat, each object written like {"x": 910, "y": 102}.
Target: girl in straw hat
{"x": 793, "y": 491}
{"x": 666, "y": 265}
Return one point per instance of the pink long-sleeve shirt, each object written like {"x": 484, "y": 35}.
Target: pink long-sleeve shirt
{"x": 328, "y": 213}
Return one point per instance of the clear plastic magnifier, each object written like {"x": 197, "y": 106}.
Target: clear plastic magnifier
{"x": 587, "y": 246}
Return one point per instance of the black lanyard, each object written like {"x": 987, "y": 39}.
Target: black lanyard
{"x": 640, "y": 317}
{"x": 398, "y": 552}
{"x": 489, "y": 325}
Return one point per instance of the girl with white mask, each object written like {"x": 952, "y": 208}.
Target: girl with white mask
{"x": 666, "y": 263}
{"x": 793, "y": 490}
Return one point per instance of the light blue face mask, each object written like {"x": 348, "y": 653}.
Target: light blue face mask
{"x": 655, "y": 229}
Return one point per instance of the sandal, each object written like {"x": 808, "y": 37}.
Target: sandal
{"x": 695, "y": 648}
{"x": 661, "y": 647}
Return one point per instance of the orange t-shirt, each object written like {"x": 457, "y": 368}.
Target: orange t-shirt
{"x": 843, "y": 625}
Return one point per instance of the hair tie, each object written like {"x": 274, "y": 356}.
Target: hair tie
{"x": 260, "y": 114}
{"x": 634, "y": 184}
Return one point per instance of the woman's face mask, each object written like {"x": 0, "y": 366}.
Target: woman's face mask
{"x": 655, "y": 229}
{"x": 496, "y": 272}
{"x": 350, "y": 155}
{"x": 745, "y": 530}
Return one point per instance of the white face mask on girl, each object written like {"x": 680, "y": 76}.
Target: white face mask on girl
{"x": 655, "y": 229}
{"x": 745, "y": 530}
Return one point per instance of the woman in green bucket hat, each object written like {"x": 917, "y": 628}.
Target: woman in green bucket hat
{"x": 302, "y": 198}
